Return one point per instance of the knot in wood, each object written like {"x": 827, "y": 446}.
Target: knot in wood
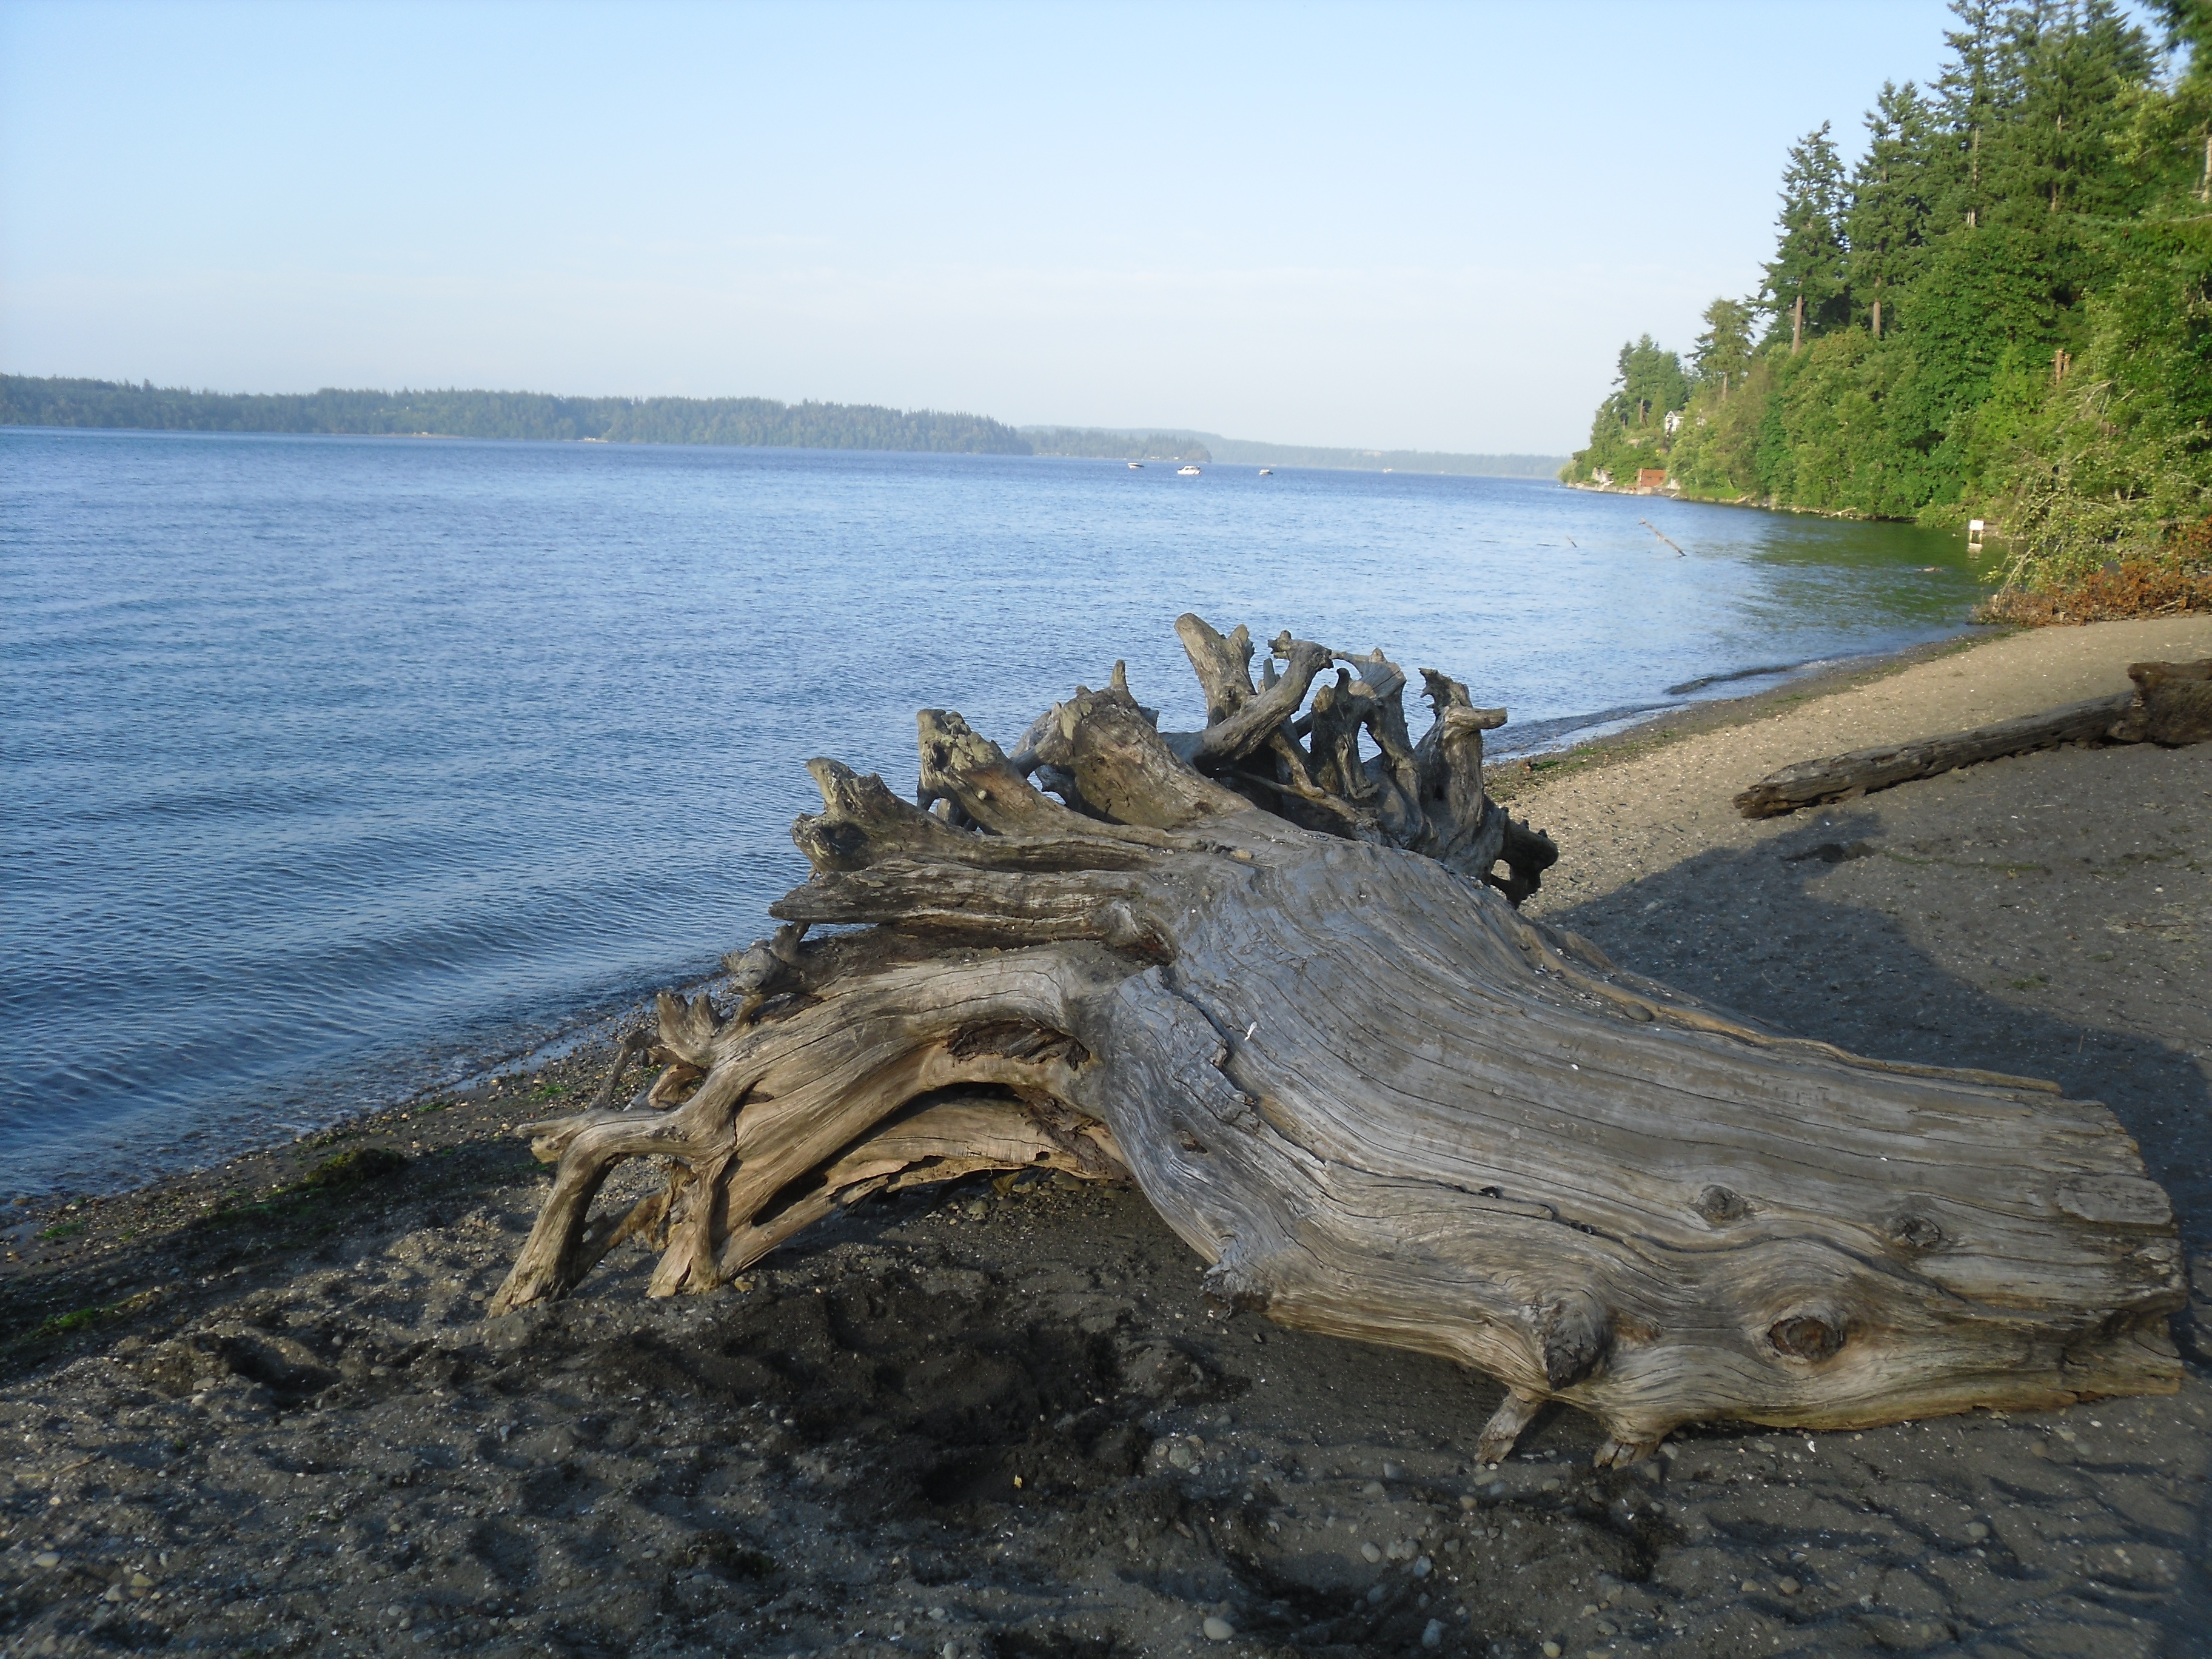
{"x": 1914, "y": 1231}
{"x": 1574, "y": 1334}
{"x": 1719, "y": 1204}
{"x": 1808, "y": 1336}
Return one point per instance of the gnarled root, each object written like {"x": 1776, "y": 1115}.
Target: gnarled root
{"x": 1282, "y": 989}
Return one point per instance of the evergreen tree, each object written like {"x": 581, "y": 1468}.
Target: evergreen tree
{"x": 1651, "y": 385}
{"x": 1976, "y": 93}
{"x": 1808, "y": 280}
{"x": 1722, "y": 353}
{"x": 1889, "y": 220}
{"x": 2183, "y": 122}
{"x": 2074, "y": 65}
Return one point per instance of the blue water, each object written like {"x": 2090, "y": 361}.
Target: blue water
{"x": 335, "y": 767}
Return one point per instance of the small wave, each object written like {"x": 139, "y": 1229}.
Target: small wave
{"x": 1521, "y": 738}
{"x": 1704, "y": 680}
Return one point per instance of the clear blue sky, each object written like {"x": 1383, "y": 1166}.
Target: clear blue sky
{"x": 1417, "y": 226}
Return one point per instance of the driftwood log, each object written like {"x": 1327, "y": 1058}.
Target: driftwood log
{"x": 2171, "y": 704}
{"x": 1285, "y": 989}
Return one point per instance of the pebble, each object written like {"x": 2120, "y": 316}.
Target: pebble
{"x": 47, "y": 1559}
{"x": 1750, "y": 1588}
{"x": 1432, "y": 1633}
{"x": 1218, "y": 1629}
{"x": 1391, "y": 1471}
{"x": 1977, "y": 1531}
{"x": 1789, "y": 1586}
{"x": 1551, "y": 1650}
{"x": 1368, "y": 1550}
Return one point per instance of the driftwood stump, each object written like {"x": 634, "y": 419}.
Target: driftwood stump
{"x": 1284, "y": 988}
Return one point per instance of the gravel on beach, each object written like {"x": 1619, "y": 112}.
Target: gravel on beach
{"x": 258, "y": 1409}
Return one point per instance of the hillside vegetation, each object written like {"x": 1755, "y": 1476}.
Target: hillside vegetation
{"x": 2002, "y": 311}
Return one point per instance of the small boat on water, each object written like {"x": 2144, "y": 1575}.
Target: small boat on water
{"x": 1186, "y": 472}
{"x": 1267, "y": 472}
{"x": 1136, "y": 466}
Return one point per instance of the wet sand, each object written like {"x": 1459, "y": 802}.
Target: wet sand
{"x": 258, "y": 1409}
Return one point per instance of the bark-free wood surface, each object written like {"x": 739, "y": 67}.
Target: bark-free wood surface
{"x": 1288, "y": 994}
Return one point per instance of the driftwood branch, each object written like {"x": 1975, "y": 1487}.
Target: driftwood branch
{"x": 1271, "y": 973}
{"x": 2171, "y": 704}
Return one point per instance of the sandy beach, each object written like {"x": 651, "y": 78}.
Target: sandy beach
{"x": 259, "y": 1409}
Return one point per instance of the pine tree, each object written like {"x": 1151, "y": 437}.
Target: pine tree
{"x": 1808, "y": 280}
{"x": 1723, "y": 352}
{"x": 1888, "y": 224}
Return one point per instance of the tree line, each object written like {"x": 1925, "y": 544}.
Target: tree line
{"x": 25, "y": 401}
{"x": 2003, "y": 310}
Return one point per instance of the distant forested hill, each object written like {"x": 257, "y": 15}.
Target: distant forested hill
{"x": 2003, "y": 311}
{"x": 763, "y": 420}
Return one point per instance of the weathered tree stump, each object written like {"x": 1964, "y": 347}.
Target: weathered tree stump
{"x": 1285, "y": 990}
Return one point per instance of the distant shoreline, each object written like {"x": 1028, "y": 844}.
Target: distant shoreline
{"x": 64, "y": 404}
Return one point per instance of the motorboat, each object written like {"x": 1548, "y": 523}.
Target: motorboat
{"x": 1136, "y": 466}
{"x": 1267, "y": 472}
{"x": 1186, "y": 472}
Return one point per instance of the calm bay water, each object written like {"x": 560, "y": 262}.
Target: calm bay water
{"x": 335, "y": 767}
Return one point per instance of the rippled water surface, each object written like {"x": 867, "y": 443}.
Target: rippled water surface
{"x": 334, "y": 765}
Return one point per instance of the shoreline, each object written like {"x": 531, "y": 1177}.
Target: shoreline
{"x": 260, "y": 1406}
{"x": 1759, "y": 504}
